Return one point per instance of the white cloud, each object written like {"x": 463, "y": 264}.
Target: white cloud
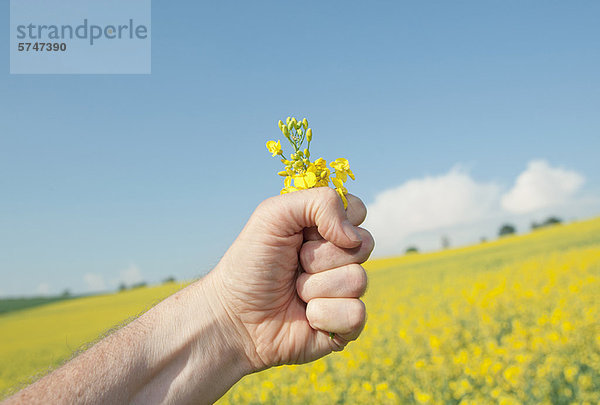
{"x": 131, "y": 275}
{"x": 420, "y": 211}
{"x": 43, "y": 289}
{"x": 541, "y": 186}
{"x": 94, "y": 282}
{"x": 427, "y": 204}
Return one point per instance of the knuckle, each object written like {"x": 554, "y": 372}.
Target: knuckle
{"x": 359, "y": 210}
{"x": 266, "y": 208}
{"x": 357, "y": 278}
{"x": 265, "y": 205}
{"x": 301, "y": 284}
{"x": 329, "y": 195}
{"x": 368, "y": 243}
{"x": 361, "y": 205}
{"x": 356, "y": 315}
{"x": 307, "y": 255}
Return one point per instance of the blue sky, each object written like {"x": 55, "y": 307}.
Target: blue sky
{"x": 110, "y": 178}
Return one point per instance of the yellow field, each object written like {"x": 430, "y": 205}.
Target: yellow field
{"x": 31, "y": 341}
{"x": 512, "y": 321}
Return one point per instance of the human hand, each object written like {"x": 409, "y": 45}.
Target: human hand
{"x": 292, "y": 276}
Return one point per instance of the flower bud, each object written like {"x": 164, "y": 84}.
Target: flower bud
{"x": 280, "y": 124}
{"x": 293, "y": 121}
{"x": 287, "y": 120}
{"x": 305, "y": 123}
{"x": 286, "y": 132}
{"x": 306, "y": 153}
{"x": 293, "y": 156}
{"x": 290, "y": 125}
{"x": 283, "y": 173}
{"x": 309, "y": 134}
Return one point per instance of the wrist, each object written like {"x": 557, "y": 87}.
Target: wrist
{"x": 231, "y": 332}
{"x": 233, "y": 329}
{"x": 195, "y": 358}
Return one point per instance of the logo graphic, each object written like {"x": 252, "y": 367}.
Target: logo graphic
{"x": 80, "y": 36}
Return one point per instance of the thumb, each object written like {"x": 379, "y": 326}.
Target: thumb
{"x": 289, "y": 214}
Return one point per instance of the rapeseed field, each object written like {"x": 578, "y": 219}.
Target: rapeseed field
{"x": 33, "y": 341}
{"x": 512, "y": 321}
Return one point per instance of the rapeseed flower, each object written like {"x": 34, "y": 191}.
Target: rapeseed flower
{"x": 299, "y": 172}
{"x": 274, "y": 147}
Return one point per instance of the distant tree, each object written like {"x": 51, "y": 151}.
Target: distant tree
{"x": 66, "y": 293}
{"x": 169, "y": 279}
{"x": 139, "y": 285}
{"x": 483, "y": 239}
{"x": 547, "y": 222}
{"x": 552, "y": 221}
{"x": 507, "y": 229}
{"x": 445, "y": 242}
{"x": 122, "y": 287}
{"x": 412, "y": 249}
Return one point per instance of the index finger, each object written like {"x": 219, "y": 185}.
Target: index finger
{"x": 356, "y": 213}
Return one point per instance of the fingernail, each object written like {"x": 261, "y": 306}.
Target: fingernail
{"x": 351, "y": 232}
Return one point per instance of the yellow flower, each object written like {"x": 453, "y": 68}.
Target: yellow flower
{"x": 287, "y": 186}
{"x": 570, "y": 373}
{"x": 285, "y": 173}
{"x": 342, "y": 193}
{"x": 341, "y": 190}
{"x": 321, "y": 164}
{"x": 289, "y": 189}
{"x": 304, "y": 181}
{"x": 274, "y": 148}
{"x": 299, "y": 172}
{"x": 342, "y": 169}
{"x": 422, "y": 397}
{"x": 381, "y": 386}
{"x": 319, "y": 168}
{"x": 338, "y": 183}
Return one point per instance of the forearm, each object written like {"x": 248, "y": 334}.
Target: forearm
{"x": 179, "y": 351}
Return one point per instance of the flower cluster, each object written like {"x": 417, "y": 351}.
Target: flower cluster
{"x": 299, "y": 172}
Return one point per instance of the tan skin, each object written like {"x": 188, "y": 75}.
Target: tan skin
{"x": 292, "y": 276}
